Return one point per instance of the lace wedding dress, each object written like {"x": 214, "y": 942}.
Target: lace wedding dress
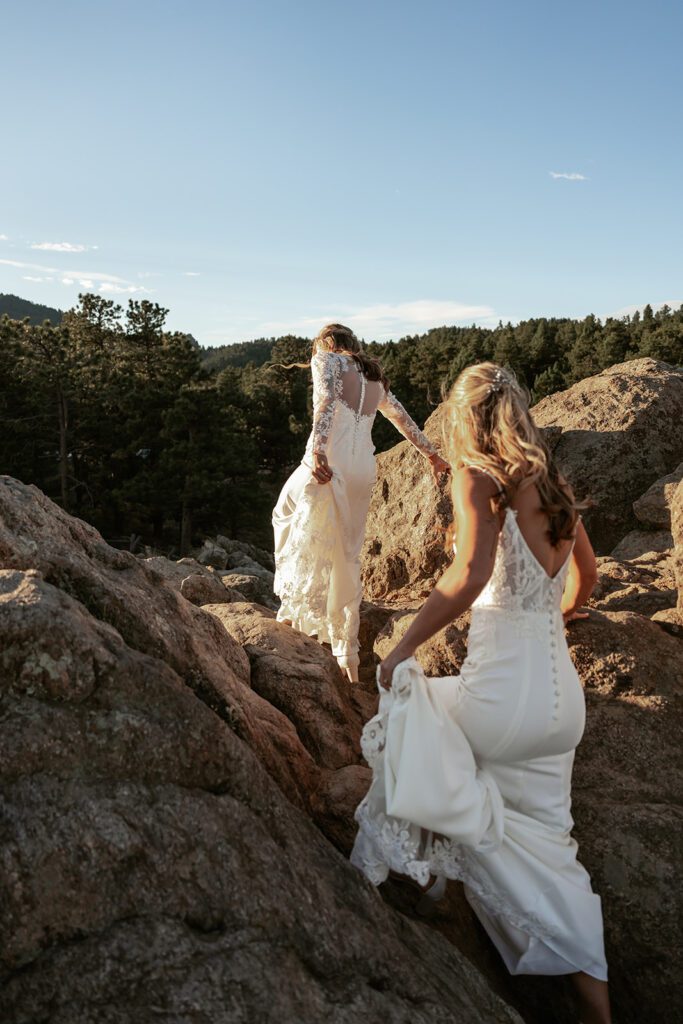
{"x": 319, "y": 528}
{"x": 472, "y": 774}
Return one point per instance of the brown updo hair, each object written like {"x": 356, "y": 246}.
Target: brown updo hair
{"x": 338, "y": 338}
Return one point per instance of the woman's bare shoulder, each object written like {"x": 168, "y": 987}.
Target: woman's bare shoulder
{"x": 472, "y": 486}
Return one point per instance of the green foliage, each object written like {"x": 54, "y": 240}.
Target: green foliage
{"x": 139, "y": 431}
{"x": 215, "y": 359}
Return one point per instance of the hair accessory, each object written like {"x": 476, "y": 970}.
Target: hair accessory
{"x": 500, "y": 378}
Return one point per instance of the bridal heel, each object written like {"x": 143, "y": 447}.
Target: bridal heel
{"x": 427, "y": 904}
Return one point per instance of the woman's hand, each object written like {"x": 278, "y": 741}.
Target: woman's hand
{"x": 386, "y": 668}
{"x": 321, "y": 470}
{"x": 572, "y": 616}
{"x": 438, "y": 467}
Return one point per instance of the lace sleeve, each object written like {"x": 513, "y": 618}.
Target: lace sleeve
{"x": 325, "y": 371}
{"x": 390, "y": 407}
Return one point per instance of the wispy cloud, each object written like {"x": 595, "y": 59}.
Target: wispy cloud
{"x": 113, "y": 288}
{"x": 61, "y": 247}
{"x": 4, "y": 238}
{"x": 87, "y": 279}
{"x": 94, "y": 275}
{"x": 568, "y": 175}
{"x": 387, "y": 320}
{"x": 191, "y": 273}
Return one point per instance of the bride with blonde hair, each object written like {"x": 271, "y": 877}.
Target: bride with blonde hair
{"x": 472, "y": 773}
{"x": 319, "y": 519}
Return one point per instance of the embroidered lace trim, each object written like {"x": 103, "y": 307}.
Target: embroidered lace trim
{"x": 518, "y": 583}
{"x": 385, "y": 844}
{"x": 326, "y": 370}
{"x": 302, "y": 576}
{"x": 326, "y": 392}
{"x": 390, "y": 407}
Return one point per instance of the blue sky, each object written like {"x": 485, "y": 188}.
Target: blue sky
{"x": 263, "y": 167}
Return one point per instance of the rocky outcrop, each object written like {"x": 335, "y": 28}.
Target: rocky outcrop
{"x": 627, "y": 797}
{"x": 195, "y": 582}
{"x": 244, "y": 569}
{"x": 638, "y": 543}
{"x": 404, "y": 549}
{"x": 299, "y": 677}
{"x": 641, "y": 585}
{"x": 621, "y": 430}
{"x": 213, "y": 554}
{"x": 672, "y": 619}
{"x": 677, "y": 532}
{"x": 151, "y": 617}
{"x": 150, "y": 867}
{"x": 252, "y": 587}
{"x": 613, "y": 435}
{"x": 236, "y": 551}
{"x": 653, "y": 509}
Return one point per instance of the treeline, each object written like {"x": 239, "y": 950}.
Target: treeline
{"x": 115, "y": 418}
{"x": 547, "y": 354}
{"x": 137, "y": 430}
{"x": 20, "y": 309}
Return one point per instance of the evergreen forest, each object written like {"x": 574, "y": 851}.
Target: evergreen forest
{"x": 156, "y": 441}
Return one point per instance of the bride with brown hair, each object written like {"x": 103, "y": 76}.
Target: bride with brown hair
{"x": 472, "y": 773}
{"x": 319, "y": 519}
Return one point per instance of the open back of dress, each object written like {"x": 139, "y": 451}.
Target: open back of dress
{"x": 358, "y": 393}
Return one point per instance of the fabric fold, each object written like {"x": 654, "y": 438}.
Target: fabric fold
{"x": 436, "y": 785}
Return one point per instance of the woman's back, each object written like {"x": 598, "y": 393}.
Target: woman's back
{"x": 344, "y": 396}
{"x": 534, "y": 524}
{"x": 529, "y": 572}
{"x": 359, "y": 394}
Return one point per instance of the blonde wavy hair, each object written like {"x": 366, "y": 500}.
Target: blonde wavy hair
{"x": 488, "y": 424}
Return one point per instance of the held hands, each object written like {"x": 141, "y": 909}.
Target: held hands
{"x": 438, "y": 467}
{"x": 321, "y": 470}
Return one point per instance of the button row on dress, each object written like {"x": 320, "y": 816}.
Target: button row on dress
{"x": 553, "y": 658}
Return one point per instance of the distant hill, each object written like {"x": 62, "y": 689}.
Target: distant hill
{"x": 242, "y": 353}
{"x": 18, "y": 309}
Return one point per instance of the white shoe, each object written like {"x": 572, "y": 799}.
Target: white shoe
{"x": 427, "y": 904}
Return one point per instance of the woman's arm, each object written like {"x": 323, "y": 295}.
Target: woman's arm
{"x": 324, "y": 368}
{"x": 582, "y": 576}
{"x": 390, "y": 407}
{"x": 466, "y": 577}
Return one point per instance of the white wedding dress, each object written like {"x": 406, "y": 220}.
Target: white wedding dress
{"x": 319, "y": 528}
{"x": 472, "y": 774}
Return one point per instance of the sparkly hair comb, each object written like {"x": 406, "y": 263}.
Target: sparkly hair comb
{"x": 500, "y": 378}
